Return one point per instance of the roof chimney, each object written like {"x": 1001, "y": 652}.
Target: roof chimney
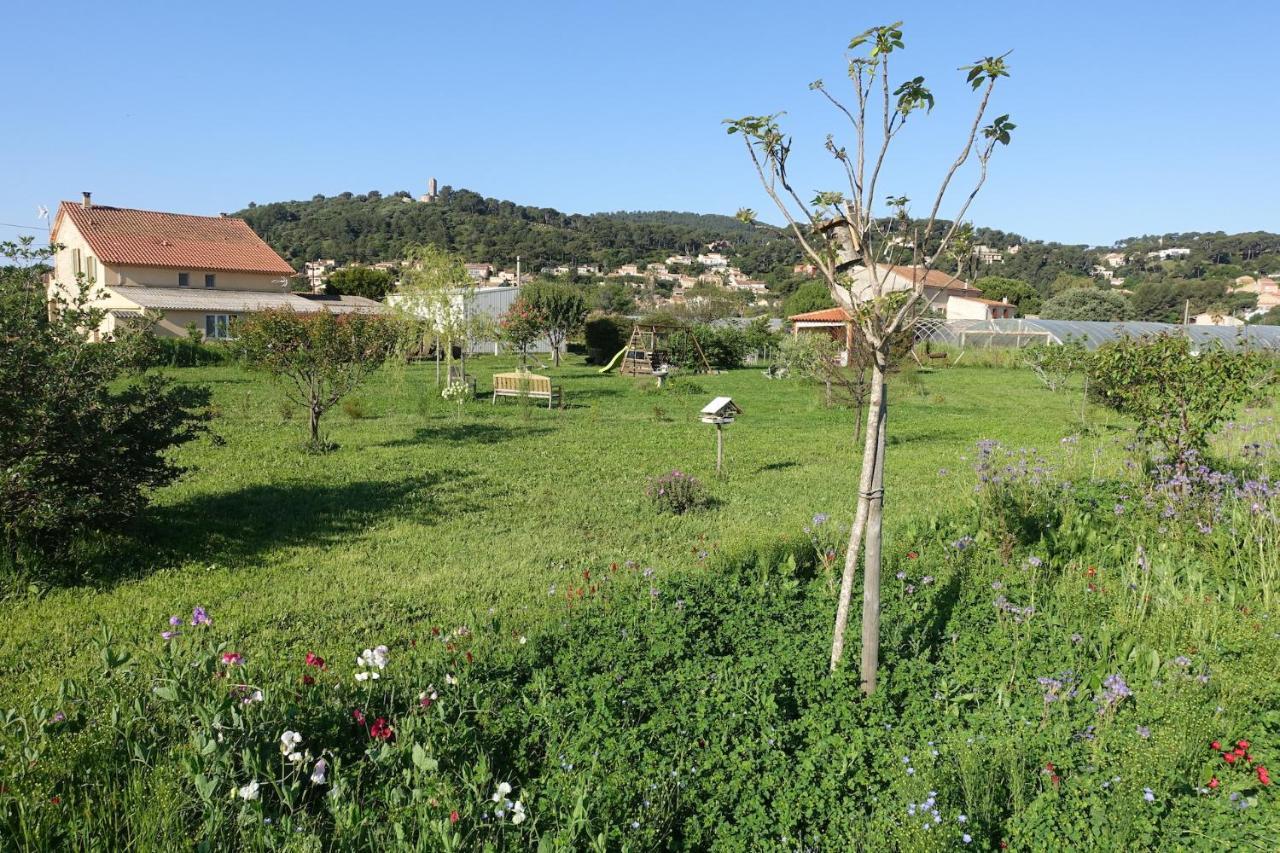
{"x": 86, "y": 203}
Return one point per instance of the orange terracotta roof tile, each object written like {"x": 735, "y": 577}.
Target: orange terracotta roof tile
{"x": 146, "y": 238}
{"x": 826, "y": 315}
{"x": 936, "y": 278}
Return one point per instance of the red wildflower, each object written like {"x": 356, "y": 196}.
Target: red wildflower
{"x": 911, "y": 555}
{"x": 435, "y": 631}
{"x": 1214, "y": 783}
{"x": 613, "y": 567}
{"x": 232, "y": 658}
{"x": 358, "y": 716}
{"x": 453, "y": 816}
{"x": 381, "y": 730}
{"x": 586, "y": 574}
{"x": 1229, "y": 757}
{"x": 1216, "y": 746}
{"x": 56, "y": 800}
{"x": 1239, "y": 750}
{"x": 1242, "y": 744}
{"x": 315, "y": 660}
{"x": 469, "y": 658}
{"x": 308, "y": 680}
{"x": 1263, "y": 776}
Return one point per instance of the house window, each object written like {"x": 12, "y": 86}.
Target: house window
{"x": 184, "y": 279}
{"x": 210, "y": 280}
{"x": 217, "y": 327}
{"x": 77, "y": 266}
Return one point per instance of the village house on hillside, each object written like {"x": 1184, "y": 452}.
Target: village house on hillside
{"x": 201, "y": 271}
{"x": 937, "y": 286}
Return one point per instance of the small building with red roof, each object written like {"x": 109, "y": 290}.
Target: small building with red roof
{"x": 836, "y": 323}
{"x": 201, "y": 271}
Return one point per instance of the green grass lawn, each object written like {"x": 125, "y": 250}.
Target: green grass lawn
{"x": 425, "y": 514}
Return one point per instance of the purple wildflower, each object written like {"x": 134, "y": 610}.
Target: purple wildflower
{"x": 1114, "y": 691}
{"x": 200, "y": 617}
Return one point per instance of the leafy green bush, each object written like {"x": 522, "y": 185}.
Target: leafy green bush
{"x": 188, "y": 352}
{"x": 605, "y": 336}
{"x": 1087, "y": 303}
{"x": 83, "y": 439}
{"x": 725, "y": 347}
{"x": 1177, "y": 396}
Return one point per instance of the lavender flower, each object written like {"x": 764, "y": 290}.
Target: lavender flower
{"x": 200, "y": 617}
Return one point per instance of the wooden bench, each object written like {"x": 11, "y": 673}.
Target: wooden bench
{"x": 525, "y": 385}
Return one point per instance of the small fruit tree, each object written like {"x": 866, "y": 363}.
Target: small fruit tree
{"x": 318, "y": 357}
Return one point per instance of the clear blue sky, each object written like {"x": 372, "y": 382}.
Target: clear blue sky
{"x": 1132, "y": 118}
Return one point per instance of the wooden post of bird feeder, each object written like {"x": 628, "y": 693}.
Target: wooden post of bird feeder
{"x": 720, "y": 411}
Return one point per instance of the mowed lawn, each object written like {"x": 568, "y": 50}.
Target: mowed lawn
{"x": 429, "y": 516}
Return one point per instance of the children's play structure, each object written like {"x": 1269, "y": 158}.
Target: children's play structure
{"x": 648, "y": 352}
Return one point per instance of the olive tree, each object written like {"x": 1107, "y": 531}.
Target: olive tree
{"x": 852, "y": 243}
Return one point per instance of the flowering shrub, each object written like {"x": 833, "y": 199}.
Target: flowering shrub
{"x": 676, "y": 492}
{"x": 456, "y": 392}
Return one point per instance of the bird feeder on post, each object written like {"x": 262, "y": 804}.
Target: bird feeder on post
{"x": 720, "y": 411}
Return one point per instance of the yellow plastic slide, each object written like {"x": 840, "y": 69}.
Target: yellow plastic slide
{"x": 613, "y": 362}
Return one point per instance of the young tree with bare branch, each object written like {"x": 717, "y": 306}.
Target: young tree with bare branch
{"x": 854, "y": 247}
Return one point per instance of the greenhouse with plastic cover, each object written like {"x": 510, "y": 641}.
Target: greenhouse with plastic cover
{"x": 1020, "y": 332}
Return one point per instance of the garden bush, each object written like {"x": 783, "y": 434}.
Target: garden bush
{"x": 725, "y": 347}
{"x": 676, "y": 492}
{"x": 605, "y": 336}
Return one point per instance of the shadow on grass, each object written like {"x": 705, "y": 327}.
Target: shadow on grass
{"x": 776, "y": 466}
{"x": 238, "y": 527}
{"x": 468, "y": 433}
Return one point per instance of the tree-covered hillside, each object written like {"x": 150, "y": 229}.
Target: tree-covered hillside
{"x": 374, "y": 227}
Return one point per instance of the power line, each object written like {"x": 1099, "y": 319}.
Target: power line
{"x": 24, "y": 227}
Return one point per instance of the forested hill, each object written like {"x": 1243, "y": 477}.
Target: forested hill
{"x": 372, "y": 227}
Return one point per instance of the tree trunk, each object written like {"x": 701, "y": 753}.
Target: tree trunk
{"x": 866, "y": 480}
{"x": 315, "y": 424}
{"x": 871, "y": 568}
{"x": 555, "y": 351}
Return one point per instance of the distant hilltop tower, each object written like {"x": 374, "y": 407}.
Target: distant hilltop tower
{"x": 431, "y": 195}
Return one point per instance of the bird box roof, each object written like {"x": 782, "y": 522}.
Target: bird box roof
{"x": 721, "y": 405}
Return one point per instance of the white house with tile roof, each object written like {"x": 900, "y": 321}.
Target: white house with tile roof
{"x": 201, "y": 271}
